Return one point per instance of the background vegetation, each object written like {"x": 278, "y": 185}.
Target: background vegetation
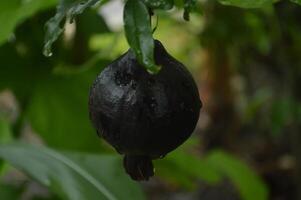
{"x": 244, "y": 54}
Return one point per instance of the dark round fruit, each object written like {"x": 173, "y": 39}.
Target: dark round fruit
{"x": 141, "y": 115}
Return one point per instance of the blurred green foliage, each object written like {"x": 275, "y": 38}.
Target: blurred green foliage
{"x": 17, "y": 11}
{"x": 72, "y": 176}
{"x": 52, "y": 92}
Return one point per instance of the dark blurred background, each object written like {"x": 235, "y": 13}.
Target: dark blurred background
{"x": 247, "y": 65}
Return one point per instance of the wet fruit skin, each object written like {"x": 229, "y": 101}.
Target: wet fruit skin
{"x": 144, "y": 116}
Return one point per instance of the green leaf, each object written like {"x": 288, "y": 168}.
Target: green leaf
{"x": 281, "y": 114}
{"x": 5, "y": 136}
{"x": 189, "y": 5}
{"x": 58, "y": 111}
{"x": 246, "y": 3}
{"x": 256, "y": 103}
{"x": 8, "y": 192}
{"x": 185, "y": 169}
{"x": 247, "y": 182}
{"x": 298, "y": 112}
{"x": 179, "y": 3}
{"x": 138, "y": 32}
{"x": 181, "y": 167}
{"x": 73, "y": 176}
{"x": 160, "y": 4}
{"x": 60, "y": 117}
{"x": 109, "y": 170}
{"x": 67, "y": 9}
{"x": 296, "y": 1}
{"x": 13, "y": 12}
{"x": 5, "y": 132}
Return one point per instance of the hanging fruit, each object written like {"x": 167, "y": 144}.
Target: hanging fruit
{"x": 144, "y": 116}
